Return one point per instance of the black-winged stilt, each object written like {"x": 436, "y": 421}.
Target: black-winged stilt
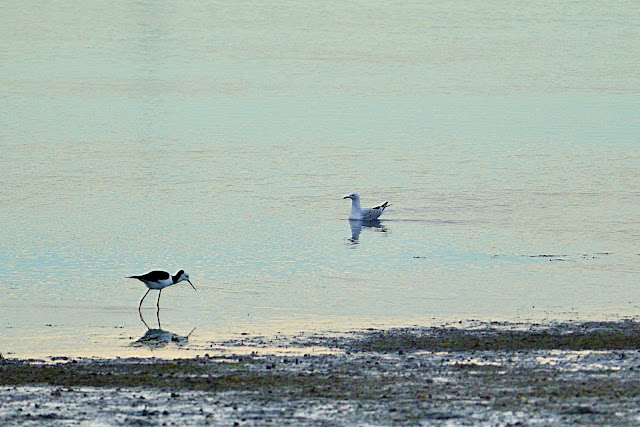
{"x": 159, "y": 280}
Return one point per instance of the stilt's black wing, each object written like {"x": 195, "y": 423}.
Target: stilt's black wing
{"x": 153, "y": 276}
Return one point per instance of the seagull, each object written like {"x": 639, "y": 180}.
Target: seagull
{"x": 160, "y": 280}
{"x": 366, "y": 214}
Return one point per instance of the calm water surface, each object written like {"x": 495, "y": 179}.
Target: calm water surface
{"x": 220, "y": 138}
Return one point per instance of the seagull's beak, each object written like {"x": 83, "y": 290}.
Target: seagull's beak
{"x": 194, "y": 288}
{"x": 346, "y": 197}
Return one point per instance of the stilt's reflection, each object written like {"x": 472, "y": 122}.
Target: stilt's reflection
{"x": 157, "y": 317}
{"x": 357, "y": 226}
{"x": 157, "y": 338}
{"x": 157, "y": 311}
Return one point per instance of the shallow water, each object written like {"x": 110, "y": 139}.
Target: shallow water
{"x": 221, "y": 139}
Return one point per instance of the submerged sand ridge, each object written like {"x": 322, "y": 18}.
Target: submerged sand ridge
{"x": 494, "y": 373}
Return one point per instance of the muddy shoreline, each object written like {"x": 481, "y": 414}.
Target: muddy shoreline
{"x": 477, "y": 373}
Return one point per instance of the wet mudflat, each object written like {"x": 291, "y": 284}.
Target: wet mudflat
{"x": 493, "y": 373}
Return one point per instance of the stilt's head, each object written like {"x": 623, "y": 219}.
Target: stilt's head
{"x": 182, "y": 276}
{"x": 352, "y": 196}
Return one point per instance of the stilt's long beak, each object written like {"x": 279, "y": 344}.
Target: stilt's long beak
{"x": 194, "y": 288}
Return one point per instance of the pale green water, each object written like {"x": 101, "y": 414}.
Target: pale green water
{"x": 220, "y": 138}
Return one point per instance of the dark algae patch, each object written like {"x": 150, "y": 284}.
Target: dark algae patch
{"x": 583, "y": 336}
{"x": 490, "y": 374}
{"x": 188, "y": 374}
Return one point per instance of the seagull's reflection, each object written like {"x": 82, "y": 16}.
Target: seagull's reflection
{"x": 157, "y": 338}
{"x": 357, "y": 226}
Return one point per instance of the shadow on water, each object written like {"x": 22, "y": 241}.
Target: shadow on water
{"x": 357, "y": 226}
{"x": 158, "y": 338}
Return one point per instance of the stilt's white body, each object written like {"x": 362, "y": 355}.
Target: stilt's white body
{"x": 366, "y": 214}
{"x": 161, "y": 284}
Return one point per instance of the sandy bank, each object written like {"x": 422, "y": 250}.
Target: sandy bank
{"x": 585, "y": 373}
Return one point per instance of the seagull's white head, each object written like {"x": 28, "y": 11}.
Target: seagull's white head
{"x": 182, "y": 276}
{"x": 352, "y": 196}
